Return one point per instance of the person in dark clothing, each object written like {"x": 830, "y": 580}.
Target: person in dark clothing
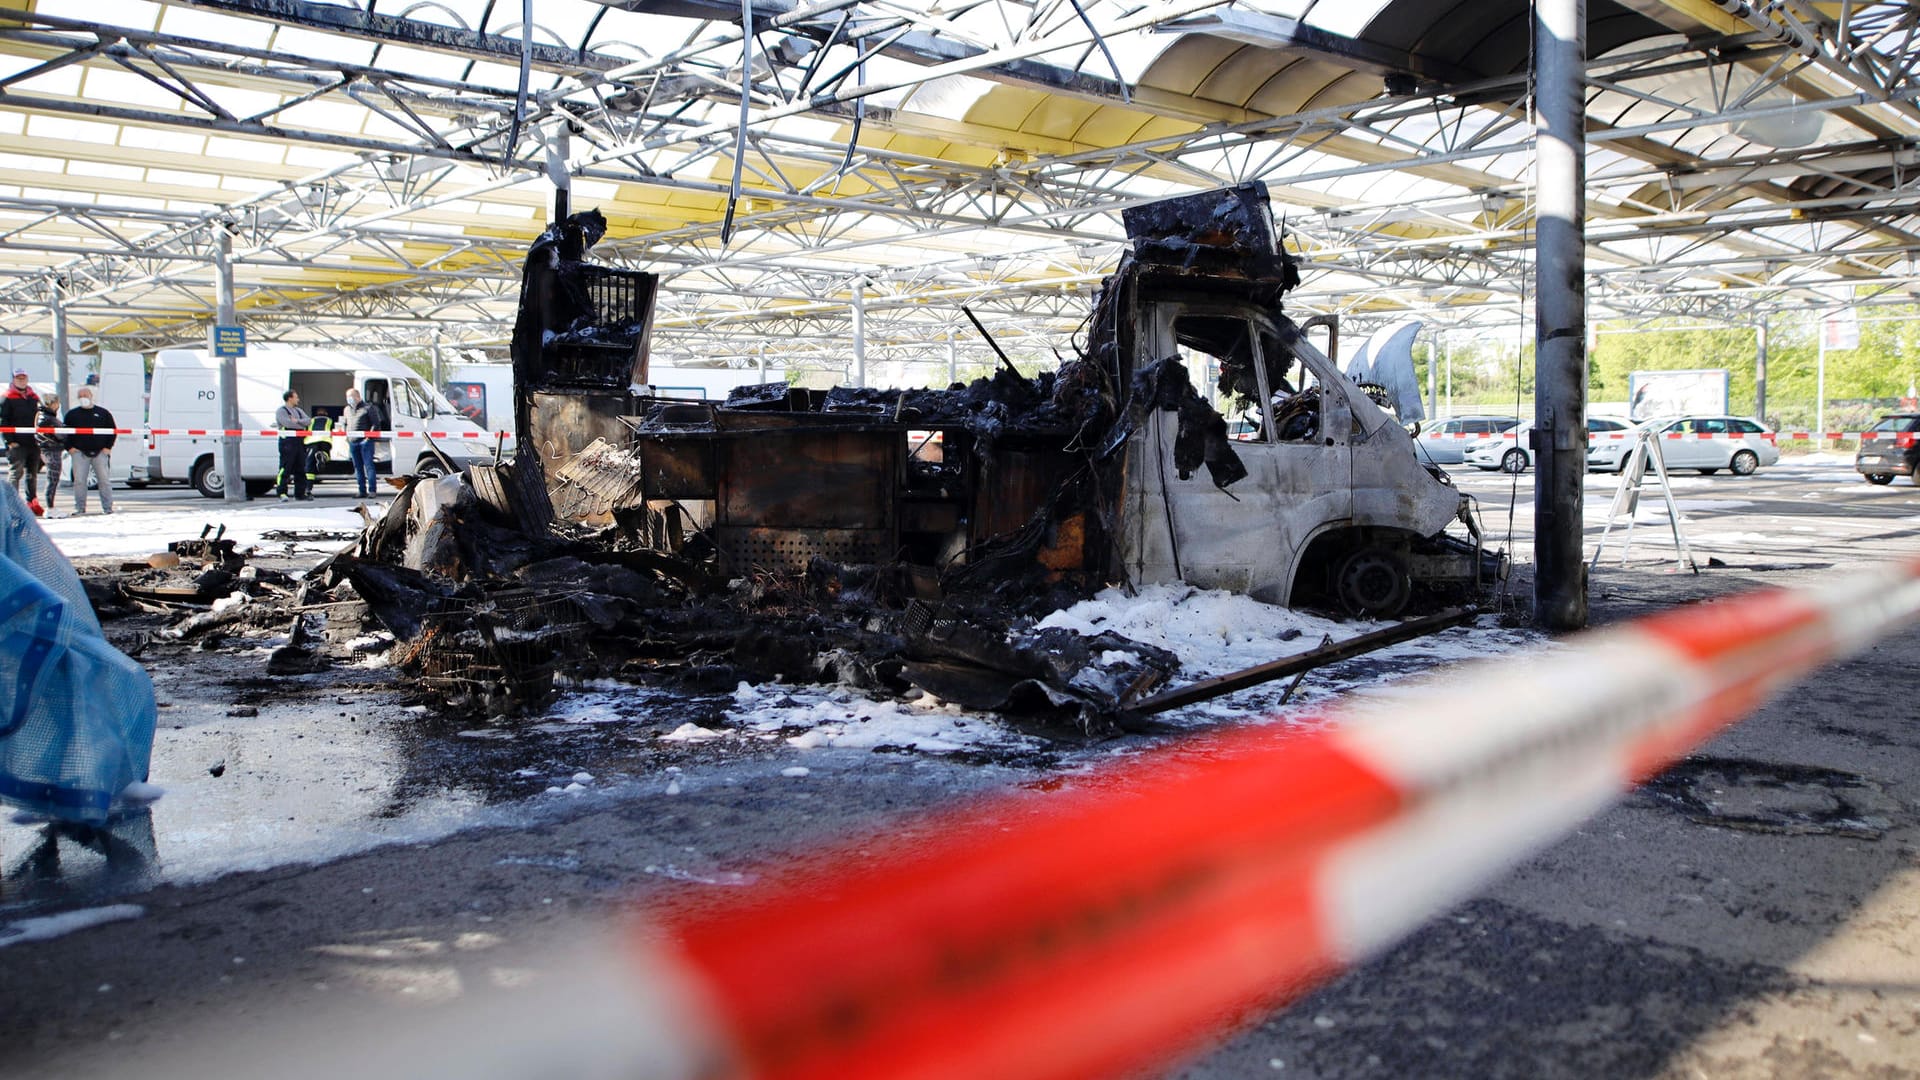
{"x": 362, "y": 416}
{"x": 52, "y": 447}
{"x": 91, "y": 452}
{"x": 291, "y": 420}
{"x": 20, "y": 408}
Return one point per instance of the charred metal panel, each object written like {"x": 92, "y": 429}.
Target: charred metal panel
{"x": 679, "y": 468}
{"x": 810, "y": 479}
{"x": 1016, "y": 486}
{"x": 1227, "y": 232}
{"x": 743, "y": 547}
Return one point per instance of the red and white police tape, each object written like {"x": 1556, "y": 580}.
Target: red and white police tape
{"x": 250, "y": 434}
{"x": 1898, "y": 438}
{"x": 1142, "y": 911}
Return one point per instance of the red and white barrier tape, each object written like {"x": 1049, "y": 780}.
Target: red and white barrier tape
{"x": 1146, "y": 909}
{"x": 1109, "y": 928}
{"x": 1898, "y": 438}
{"x": 249, "y": 434}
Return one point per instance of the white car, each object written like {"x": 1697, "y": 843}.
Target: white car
{"x": 1510, "y": 452}
{"x": 1445, "y": 442}
{"x": 1706, "y": 443}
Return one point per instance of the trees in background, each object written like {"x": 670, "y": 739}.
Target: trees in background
{"x": 1860, "y": 382}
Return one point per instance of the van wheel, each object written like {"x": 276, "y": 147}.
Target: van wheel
{"x": 206, "y": 479}
{"x": 1373, "y": 583}
{"x": 429, "y": 468}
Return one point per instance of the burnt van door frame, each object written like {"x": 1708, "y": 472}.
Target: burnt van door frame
{"x": 1250, "y": 538}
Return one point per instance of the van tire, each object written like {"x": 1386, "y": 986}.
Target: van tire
{"x": 1373, "y": 583}
{"x": 206, "y": 479}
{"x": 433, "y": 464}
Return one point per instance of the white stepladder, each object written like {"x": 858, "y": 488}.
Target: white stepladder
{"x": 1626, "y": 499}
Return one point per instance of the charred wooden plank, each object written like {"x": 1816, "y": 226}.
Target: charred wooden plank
{"x": 1221, "y": 685}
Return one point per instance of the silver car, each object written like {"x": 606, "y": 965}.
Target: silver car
{"x": 1512, "y": 451}
{"x": 1444, "y": 442}
{"x": 1712, "y": 443}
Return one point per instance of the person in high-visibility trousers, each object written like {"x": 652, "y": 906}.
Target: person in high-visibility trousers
{"x": 291, "y": 420}
{"x": 319, "y": 446}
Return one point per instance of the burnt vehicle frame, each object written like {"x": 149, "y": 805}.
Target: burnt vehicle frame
{"x": 1012, "y": 485}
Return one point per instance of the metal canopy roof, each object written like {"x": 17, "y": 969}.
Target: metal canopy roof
{"x": 381, "y": 170}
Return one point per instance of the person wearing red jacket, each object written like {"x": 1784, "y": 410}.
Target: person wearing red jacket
{"x": 19, "y": 408}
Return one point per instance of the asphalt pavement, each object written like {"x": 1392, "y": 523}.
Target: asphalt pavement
{"x": 1752, "y": 915}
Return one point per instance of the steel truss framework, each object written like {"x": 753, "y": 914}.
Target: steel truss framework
{"x": 836, "y": 180}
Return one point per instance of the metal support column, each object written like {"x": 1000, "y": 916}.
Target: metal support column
{"x": 1820, "y": 385}
{"x": 61, "y": 379}
{"x": 953, "y": 360}
{"x": 1560, "y": 337}
{"x": 1760, "y": 372}
{"x": 230, "y": 476}
{"x": 558, "y": 150}
{"x": 439, "y": 364}
{"x": 860, "y": 332}
{"x": 1433, "y": 376}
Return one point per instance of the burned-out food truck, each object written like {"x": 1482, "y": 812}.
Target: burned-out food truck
{"x": 1114, "y": 467}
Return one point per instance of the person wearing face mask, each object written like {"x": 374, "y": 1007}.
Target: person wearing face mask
{"x": 91, "y": 452}
{"x": 361, "y": 419}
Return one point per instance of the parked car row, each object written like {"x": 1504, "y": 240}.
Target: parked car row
{"x": 1705, "y": 443}
{"x": 1511, "y": 452}
{"x": 1708, "y": 444}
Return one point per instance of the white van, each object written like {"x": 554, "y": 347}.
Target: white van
{"x": 483, "y": 393}
{"x": 186, "y": 396}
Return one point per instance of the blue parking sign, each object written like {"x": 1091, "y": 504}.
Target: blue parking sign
{"x": 229, "y": 341}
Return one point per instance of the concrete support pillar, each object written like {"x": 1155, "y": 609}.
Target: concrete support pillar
{"x": 860, "y": 332}
{"x": 1760, "y": 372}
{"x": 439, "y": 363}
{"x": 226, "y": 315}
{"x": 1560, "y": 337}
{"x": 953, "y": 360}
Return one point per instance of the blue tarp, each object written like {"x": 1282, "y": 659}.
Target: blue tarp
{"x": 76, "y": 714}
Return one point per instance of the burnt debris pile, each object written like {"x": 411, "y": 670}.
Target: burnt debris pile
{"x": 895, "y": 540}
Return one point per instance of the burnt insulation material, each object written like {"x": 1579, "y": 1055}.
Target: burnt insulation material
{"x": 1201, "y": 438}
